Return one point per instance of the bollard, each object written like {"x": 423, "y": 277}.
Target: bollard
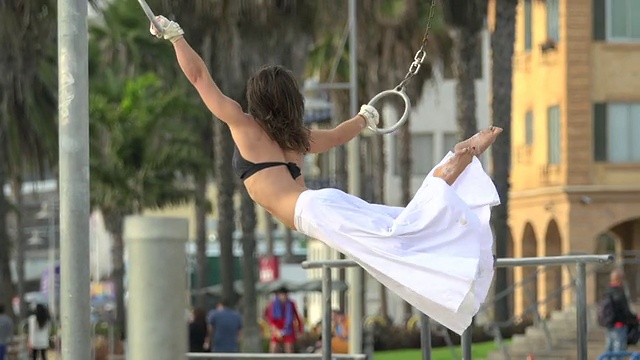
{"x": 157, "y": 284}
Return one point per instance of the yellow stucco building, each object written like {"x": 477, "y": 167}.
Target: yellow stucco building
{"x": 575, "y": 175}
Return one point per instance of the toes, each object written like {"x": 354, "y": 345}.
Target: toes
{"x": 496, "y": 130}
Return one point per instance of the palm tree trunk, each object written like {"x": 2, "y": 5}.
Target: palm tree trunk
{"x": 288, "y": 245}
{"x": 465, "y": 63}
{"x": 379, "y": 173}
{"x": 201, "y": 236}
{"x": 502, "y": 44}
{"x": 405, "y": 163}
{"x": 6, "y": 282}
{"x": 226, "y": 210}
{"x": 16, "y": 189}
{"x": 113, "y": 223}
{"x": 252, "y": 342}
{"x": 225, "y": 182}
{"x": 268, "y": 232}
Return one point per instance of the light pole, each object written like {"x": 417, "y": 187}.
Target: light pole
{"x": 354, "y": 274}
{"x": 73, "y": 136}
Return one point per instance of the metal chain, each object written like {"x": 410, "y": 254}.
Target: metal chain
{"x": 422, "y": 52}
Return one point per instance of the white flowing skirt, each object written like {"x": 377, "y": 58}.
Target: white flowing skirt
{"x": 435, "y": 253}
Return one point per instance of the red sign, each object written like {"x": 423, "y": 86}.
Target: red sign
{"x": 269, "y": 268}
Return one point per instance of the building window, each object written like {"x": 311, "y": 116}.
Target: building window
{"x": 449, "y": 141}
{"x": 527, "y": 25}
{"x": 421, "y": 154}
{"x": 616, "y": 20}
{"x": 528, "y": 128}
{"x": 553, "y": 118}
{"x": 553, "y": 20}
{"x": 616, "y": 130}
{"x": 623, "y": 23}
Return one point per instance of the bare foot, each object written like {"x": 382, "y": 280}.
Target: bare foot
{"x": 480, "y": 141}
{"x": 450, "y": 171}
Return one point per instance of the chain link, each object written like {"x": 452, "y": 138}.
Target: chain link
{"x": 418, "y": 59}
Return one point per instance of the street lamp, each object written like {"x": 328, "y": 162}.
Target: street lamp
{"x": 47, "y": 212}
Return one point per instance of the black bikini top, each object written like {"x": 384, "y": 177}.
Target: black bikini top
{"x": 244, "y": 168}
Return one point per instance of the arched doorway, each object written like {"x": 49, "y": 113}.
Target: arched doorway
{"x": 553, "y": 274}
{"x": 627, "y": 235}
{"x": 529, "y": 282}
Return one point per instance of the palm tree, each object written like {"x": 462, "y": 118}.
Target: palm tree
{"x": 202, "y": 208}
{"x": 252, "y": 343}
{"x": 234, "y": 38}
{"x": 466, "y": 19}
{"x": 502, "y": 44}
{"x": 141, "y": 154}
{"x": 120, "y": 38}
{"x": 6, "y": 282}
{"x": 27, "y": 88}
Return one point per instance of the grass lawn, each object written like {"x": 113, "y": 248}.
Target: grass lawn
{"x": 479, "y": 350}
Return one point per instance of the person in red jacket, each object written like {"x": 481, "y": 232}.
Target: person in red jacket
{"x": 284, "y": 321}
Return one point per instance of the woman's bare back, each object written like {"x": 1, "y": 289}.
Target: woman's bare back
{"x": 272, "y": 188}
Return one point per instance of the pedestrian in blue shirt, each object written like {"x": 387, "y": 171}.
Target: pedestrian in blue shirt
{"x": 225, "y": 326}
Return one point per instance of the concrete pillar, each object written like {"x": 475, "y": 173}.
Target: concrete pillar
{"x": 157, "y": 282}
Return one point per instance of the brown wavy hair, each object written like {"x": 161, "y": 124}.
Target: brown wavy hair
{"x": 275, "y": 101}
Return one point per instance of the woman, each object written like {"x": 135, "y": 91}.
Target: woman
{"x": 39, "y": 327}
{"x": 198, "y": 332}
{"x": 435, "y": 253}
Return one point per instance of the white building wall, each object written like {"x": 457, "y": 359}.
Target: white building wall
{"x": 435, "y": 116}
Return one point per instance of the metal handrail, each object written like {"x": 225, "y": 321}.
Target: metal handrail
{"x": 494, "y": 328}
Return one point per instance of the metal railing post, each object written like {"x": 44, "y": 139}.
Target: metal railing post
{"x": 467, "y": 339}
{"x": 326, "y": 313}
{"x": 581, "y": 297}
{"x": 581, "y": 309}
{"x": 425, "y": 336}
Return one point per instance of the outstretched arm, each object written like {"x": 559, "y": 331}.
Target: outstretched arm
{"x": 322, "y": 140}
{"x": 223, "y": 107}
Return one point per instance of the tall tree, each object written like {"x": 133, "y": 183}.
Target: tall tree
{"x": 466, "y": 19}
{"x": 202, "y": 208}
{"x": 235, "y": 38}
{"x": 27, "y": 102}
{"x": 6, "y": 281}
{"x": 121, "y": 47}
{"x": 252, "y": 342}
{"x": 502, "y": 47}
{"x": 141, "y": 155}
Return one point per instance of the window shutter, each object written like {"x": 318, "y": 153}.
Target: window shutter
{"x": 599, "y": 20}
{"x": 600, "y": 132}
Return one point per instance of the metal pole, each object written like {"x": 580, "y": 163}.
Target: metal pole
{"x": 73, "y": 119}
{"x": 506, "y": 262}
{"x": 354, "y": 274}
{"x": 466, "y": 343}
{"x": 425, "y": 336}
{"x": 581, "y": 309}
{"x": 52, "y": 261}
{"x": 157, "y": 285}
{"x": 326, "y": 313}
